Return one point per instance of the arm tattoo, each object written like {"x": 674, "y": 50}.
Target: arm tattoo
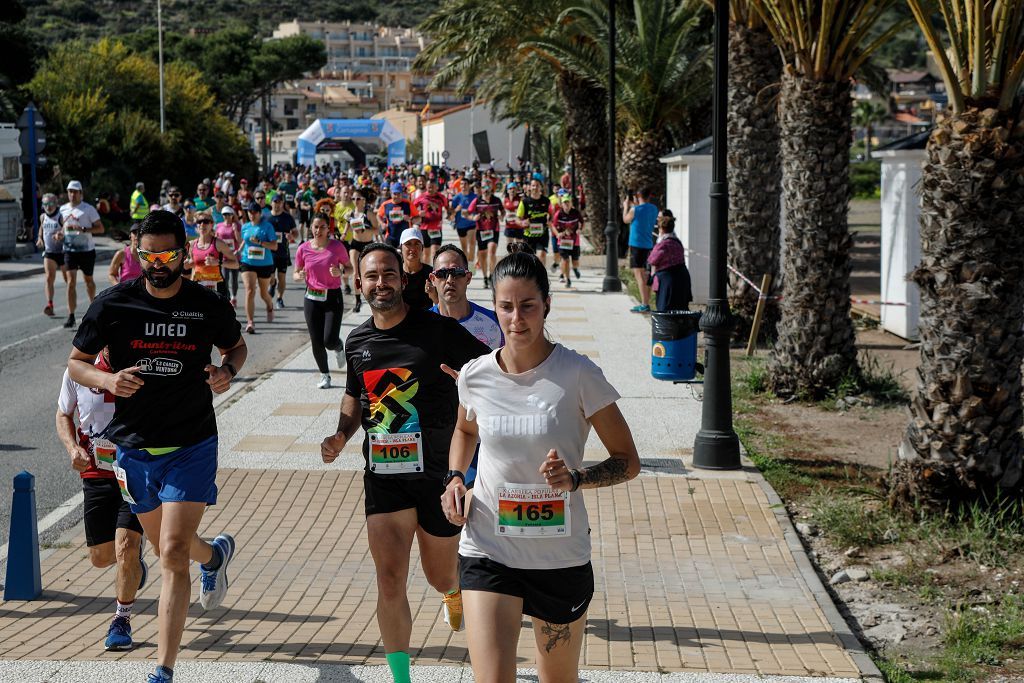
{"x": 608, "y": 473}
{"x": 555, "y": 633}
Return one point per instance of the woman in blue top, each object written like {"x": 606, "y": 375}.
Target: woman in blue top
{"x": 259, "y": 240}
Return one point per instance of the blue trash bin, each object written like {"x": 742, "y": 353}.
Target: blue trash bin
{"x": 674, "y": 345}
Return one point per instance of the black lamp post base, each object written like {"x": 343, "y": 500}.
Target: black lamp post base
{"x": 714, "y": 450}
{"x": 611, "y": 284}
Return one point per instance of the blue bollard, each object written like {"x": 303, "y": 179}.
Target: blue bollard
{"x": 24, "y": 581}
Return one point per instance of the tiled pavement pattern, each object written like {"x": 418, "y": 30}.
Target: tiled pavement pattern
{"x": 696, "y": 571}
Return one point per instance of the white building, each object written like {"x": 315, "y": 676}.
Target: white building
{"x": 901, "y": 236}
{"x": 687, "y": 190}
{"x": 470, "y": 133}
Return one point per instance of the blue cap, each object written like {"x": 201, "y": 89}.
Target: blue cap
{"x": 538, "y": 176}
{"x": 397, "y": 187}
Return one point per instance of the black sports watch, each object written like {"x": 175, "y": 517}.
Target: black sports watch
{"x": 231, "y": 369}
{"x": 451, "y": 475}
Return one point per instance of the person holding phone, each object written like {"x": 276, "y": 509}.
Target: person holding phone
{"x": 525, "y": 545}
{"x": 642, "y": 215}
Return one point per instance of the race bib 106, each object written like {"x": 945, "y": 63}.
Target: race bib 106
{"x": 400, "y": 453}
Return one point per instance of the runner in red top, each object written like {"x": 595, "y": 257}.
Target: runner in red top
{"x": 431, "y": 207}
{"x": 487, "y": 210}
{"x": 112, "y": 533}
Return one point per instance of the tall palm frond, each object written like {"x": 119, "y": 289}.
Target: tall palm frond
{"x": 984, "y": 54}
{"x": 826, "y": 40}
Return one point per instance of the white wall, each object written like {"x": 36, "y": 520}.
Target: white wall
{"x": 901, "y": 242}
{"x": 687, "y": 189}
{"x": 433, "y": 141}
{"x": 454, "y": 133}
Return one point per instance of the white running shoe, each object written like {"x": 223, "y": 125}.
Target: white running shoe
{"x": 214, "y": 584}
{"x": 339, "y": 356}
{"x": 325, "y": 382}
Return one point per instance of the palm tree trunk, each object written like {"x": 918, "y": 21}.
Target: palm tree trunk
{"x": 640, "y": 166}
{"x": 755, "y": 174}
{"x": 585, "y": 130}
{"x": 964, "y": 440}
{"x": 816, "y": 344}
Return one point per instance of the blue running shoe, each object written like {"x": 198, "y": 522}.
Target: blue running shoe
{"x": 214, "y": 584}
{"x": 119, "y": 635}
{"x": 160, "y": 676}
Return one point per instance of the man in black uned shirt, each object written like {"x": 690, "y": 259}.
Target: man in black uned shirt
{"x": 407, "y": 405}
{"x": 160, "y": 330}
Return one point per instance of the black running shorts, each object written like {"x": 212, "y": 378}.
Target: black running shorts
{"x": 540, "y": 243}
{"x": 557, "y": 596}
{"x": 84, "y": 261}
{"x": 262, "y": 272}
{"x": 390, "y": 493}
{"x": 638, "y": 257}
{"x": 105, "y": 511}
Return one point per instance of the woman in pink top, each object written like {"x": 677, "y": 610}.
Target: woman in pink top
{"x": 321, "y": 263}
{"x": 125, "y": 264}
{"x": 230, "y": 232}
{"x": 207, "y": 254}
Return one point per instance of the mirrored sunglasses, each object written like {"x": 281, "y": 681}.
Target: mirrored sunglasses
{"x": 160, "y": 257}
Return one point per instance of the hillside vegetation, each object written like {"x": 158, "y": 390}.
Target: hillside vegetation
{"x": 61, "y": 20}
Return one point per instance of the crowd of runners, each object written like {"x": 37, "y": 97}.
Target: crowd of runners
{"x": 473, "y": 421}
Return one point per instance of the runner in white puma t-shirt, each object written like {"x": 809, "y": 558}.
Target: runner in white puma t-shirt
{"x": 525, "y": 548}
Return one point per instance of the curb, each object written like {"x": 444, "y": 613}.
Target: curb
{"x": 851, "y": 644}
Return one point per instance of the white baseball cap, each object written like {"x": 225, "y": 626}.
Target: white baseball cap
{"x": 74, "y": 185}
{"x": 227, "y": 210}
{"x": 410, "y": 234}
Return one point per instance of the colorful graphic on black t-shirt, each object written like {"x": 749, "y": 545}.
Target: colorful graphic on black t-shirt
{"x": 391, "y": 392}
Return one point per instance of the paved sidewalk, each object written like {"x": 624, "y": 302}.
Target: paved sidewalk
{"x": 697, "y": 572}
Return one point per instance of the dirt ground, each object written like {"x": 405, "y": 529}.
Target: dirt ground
{"x": 854, "y": 446}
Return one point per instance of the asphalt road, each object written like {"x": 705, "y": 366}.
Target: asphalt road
{"x": 33, "y": 355}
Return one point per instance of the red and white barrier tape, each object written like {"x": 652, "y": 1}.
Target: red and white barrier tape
{"x": 762, "y": 295}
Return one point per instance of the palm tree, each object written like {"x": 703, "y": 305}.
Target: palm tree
{"x": 865, "y": 115}
{"x": 822, "y": 45}
{"x": 964, "y": 442}
{"x": 663, "y": 73}
{"x": 754, "y": 169}
{"x": 479, "y": 44}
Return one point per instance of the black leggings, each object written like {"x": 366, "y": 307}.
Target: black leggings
{"x": 230, "y": 276}
{"x": 323, "y": 319}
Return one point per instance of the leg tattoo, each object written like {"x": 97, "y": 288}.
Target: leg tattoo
{"x": 555, "y": 633}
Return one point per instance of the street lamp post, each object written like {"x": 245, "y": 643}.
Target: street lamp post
{"x": 717, "y": 446}
{"x": 160, "y": 53}
{"x": 611, "y": 282}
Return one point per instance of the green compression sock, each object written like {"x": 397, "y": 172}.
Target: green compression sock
{"x": 399, "y": 663}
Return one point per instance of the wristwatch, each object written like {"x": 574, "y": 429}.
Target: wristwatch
{"x": 451, "y": 475}
{"x": 230, "y": 367}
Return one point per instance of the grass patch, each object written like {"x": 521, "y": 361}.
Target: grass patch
{"x": 850, "y": 519}
{"x": 55, "y": 546}
{"x": 877, "y": 382}
{"x": 899, "y": 577}
{"x": 974, "y": 638}
{"x": 629, "y": 283}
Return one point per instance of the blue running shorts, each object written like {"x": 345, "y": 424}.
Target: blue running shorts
{"x": 188, "y": 474}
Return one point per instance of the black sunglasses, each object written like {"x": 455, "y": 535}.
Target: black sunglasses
{"x": 445, "y": 273}
{"x": 203, "y": 221}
